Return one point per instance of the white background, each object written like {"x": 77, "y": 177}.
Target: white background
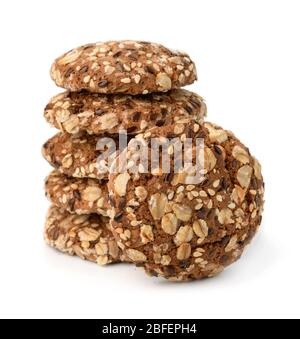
{"x": 248, "y": 59}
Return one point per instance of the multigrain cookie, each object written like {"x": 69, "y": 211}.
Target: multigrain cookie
{"x": 72, "y": 112}
{"x": 80, "y": 196}
{"x": 180, "y": 230}
{"x": 77, "y": 155}
{"x": 131, "y": 67}
{"x": 87, "y": 236}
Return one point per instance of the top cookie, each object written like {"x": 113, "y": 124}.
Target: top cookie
{"x": 131, "y": 67}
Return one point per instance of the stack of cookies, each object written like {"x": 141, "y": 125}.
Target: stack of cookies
{"x": 162, "y": 221}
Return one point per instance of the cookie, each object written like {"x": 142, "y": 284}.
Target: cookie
{"x": 87, "y": 236}
{"x": 73, "y": 112}
{"x": 80, "y": 196}
{"x": 180, "y": 229}
{"x": 131, "y": 67}
{"x": 77, "y": 155}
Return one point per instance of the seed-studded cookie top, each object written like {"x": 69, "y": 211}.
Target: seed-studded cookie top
{"x": 187, "y": 231}
{"x": 132, "y": 67}
{"x": 96, "y": 113}
{"x": 80, "y": 196}
{"x": 87, "y": 236}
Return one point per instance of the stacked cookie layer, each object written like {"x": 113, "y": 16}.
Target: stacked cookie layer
{"x": 111, "y": 88}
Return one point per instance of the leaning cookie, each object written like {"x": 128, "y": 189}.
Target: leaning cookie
{"x": 80, "y": 196}
{"x": 131, "y": 67}
{"x": 73, "y": 112}
{"x": 177, "y": 225}
{"x": 87, "y": 236}
{"x": 78, "y": 155}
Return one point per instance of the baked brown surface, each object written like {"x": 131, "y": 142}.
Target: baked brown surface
{"x": 73, "y": 112}
{"x": 76, "y": 155}
{"x": 80, "y": 196}
{"x": 87, "y": 236}
{"x": 131, "y": 67}
{"x": 183, "y": 231}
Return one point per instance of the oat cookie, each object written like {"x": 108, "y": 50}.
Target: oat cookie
{"x": 72, "y": 112}
{"x": 131, "y": 67}
{"x": 180, "y": 230}
{"x": 77, "y": 155}
{"x": 80, "y": 196}
{"x": 87, "y": 236}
